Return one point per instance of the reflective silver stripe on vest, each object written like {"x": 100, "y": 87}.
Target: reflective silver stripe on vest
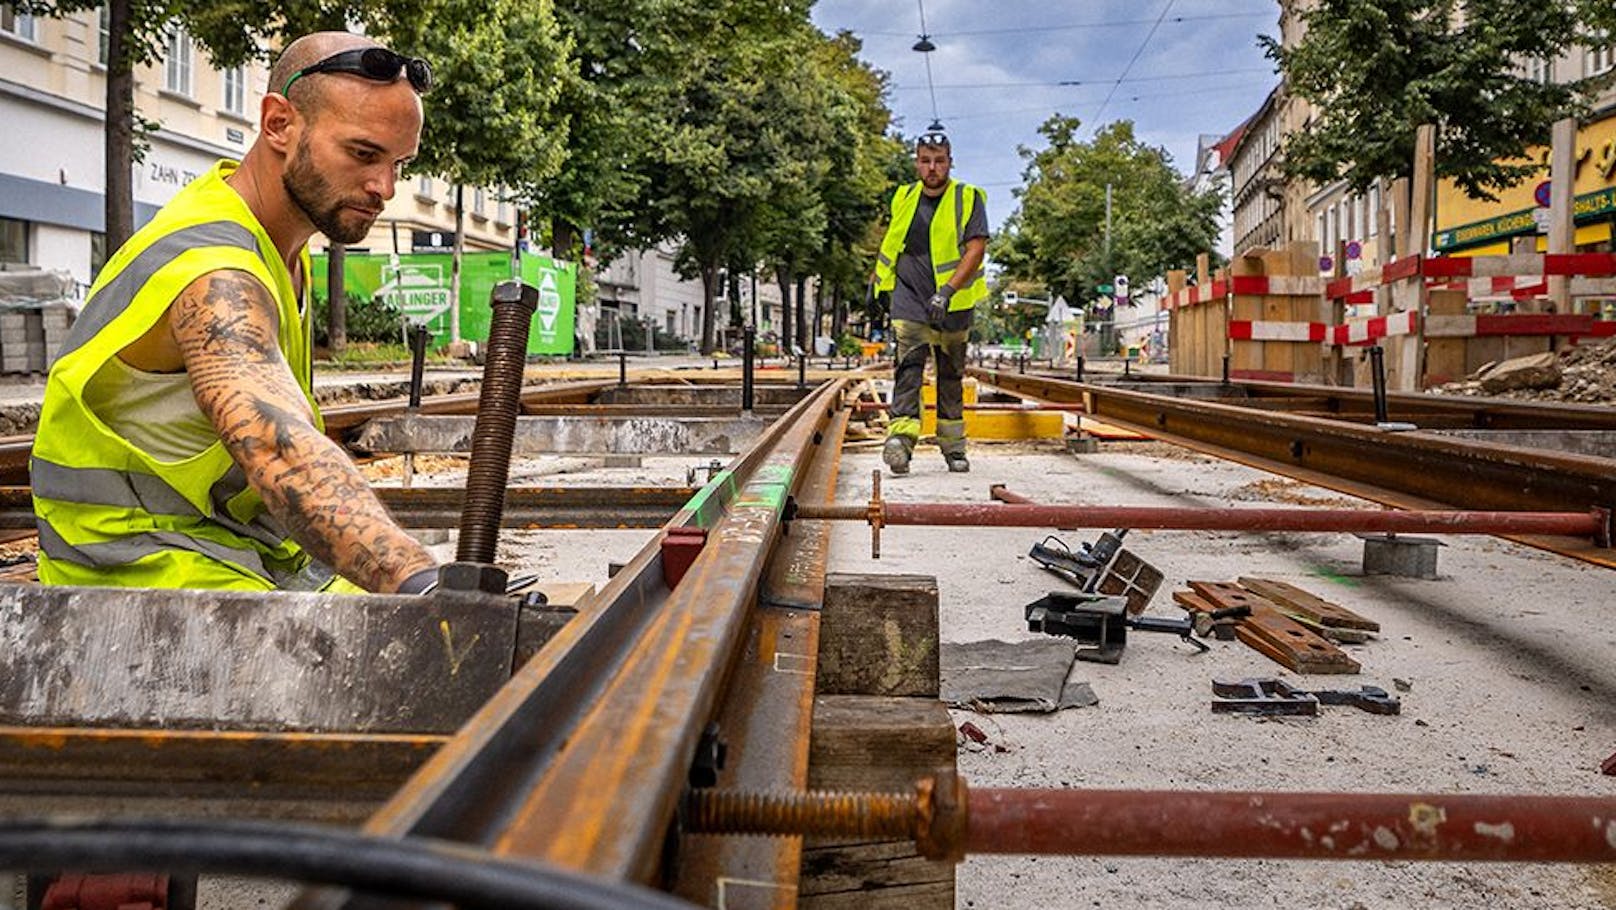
{"x": 117, "y": 553}
{"x": 115, "y": 296}
{"x": 959, "y": 217}
{"x": 948, "y": 266}
{"x": 106, "y": 487}
{"x": 882, "y": 257}
{"x": 146, "y": 493}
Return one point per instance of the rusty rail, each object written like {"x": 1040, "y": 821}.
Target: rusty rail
{"x": 580, "y": 759}
{"x": 1409, "y": 470}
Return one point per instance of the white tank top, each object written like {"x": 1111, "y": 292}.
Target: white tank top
{"x": 154, "y": 411}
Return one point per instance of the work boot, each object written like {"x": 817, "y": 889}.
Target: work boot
{"x": 957, "y": 462}
{"x": 896, "y": 454}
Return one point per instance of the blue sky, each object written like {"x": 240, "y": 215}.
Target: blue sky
{"x": 1187, "y": 67}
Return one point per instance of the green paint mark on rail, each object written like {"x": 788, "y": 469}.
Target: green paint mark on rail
{"x": 767, "y": 489}
{"x": 709, "y": 501}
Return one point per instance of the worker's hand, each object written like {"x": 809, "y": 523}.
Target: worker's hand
{"x": 937, "y": 306}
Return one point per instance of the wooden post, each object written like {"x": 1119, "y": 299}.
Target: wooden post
{"x": 878, "y": 636}
{"x": 1246, "y": 357}
{"x": 1562, "y": 219}
{"x": 1445, "y": 358}
{"x": 1179, "y": 353}
{"x": 882, "y": 730}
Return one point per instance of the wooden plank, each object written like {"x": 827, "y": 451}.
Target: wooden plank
{"x": 875, "y": 744}
{"x": 281, "y": 661}
{"x": 1445, "y": 357}
{"x": 878, "y": 636}
{"x": 1276, "y": 636}
{"x": 1321, "y": 611}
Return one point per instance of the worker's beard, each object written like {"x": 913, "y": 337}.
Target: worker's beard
{"x": 322, "y": 205}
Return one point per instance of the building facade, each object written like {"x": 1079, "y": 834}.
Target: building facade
{"x": 1257, "y": 182}
{"x": 52, "y": 166}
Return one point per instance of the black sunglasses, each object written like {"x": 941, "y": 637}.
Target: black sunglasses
{"x": 375, "y": 63}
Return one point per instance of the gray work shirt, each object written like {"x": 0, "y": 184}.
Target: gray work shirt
{"x": 916, "y": 280}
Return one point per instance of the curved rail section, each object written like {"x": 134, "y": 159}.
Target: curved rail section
{"x": 594, "y": 736}
{"x": 1408, "y": 470}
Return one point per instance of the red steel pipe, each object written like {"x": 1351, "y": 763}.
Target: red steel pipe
{"x": 1348, "y": 826}
{"x": 1593, "y": 524}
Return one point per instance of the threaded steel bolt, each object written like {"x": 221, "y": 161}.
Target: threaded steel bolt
{"x": 495, "y": 429}
{"x": 815, "y": 813}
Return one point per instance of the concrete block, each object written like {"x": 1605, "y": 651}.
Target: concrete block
{"x": 1395, "y": 554}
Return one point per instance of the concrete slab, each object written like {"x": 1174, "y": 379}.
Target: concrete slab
{"x": 568, "y": 435}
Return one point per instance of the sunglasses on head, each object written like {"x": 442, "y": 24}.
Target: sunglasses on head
{"x": 932, "y": 140}
{"x": 375, "y": 63}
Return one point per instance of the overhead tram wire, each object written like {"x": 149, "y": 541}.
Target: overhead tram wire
{"x": 1075, "y": 83}
{"x": 1075, "y": 26}
{"x": 925, "y": 47}
{"x": 1131, "y": 61}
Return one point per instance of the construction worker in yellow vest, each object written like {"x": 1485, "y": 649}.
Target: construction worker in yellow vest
{"x": 931, "y": 262}
{"x": 179, "y": 445}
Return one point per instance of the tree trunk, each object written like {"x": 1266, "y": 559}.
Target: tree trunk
{"x": 802, "y": 312}
{"x": 459, "y": 245}
{"x": 709, "y": 295}
{"x": 119, "y": 214}
{"x": 562, "y": 235}
{"x": 336, "y": 317}
{"x": 783, "y": 276}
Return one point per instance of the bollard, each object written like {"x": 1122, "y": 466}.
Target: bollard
{"x": 622, "y": 368}
{"x": 1080, "y": 368}
{"x": 746, "y": 368}
{"x": 1225, "y": 369}
{"x": 1377, "y": 376}
{"x": 492, "y": 436}
{"x": 1021, "y": 363}
{"x": 802, "y": 371}
{"x": 1127, "y": 367}
{"x": 418, "y": 337}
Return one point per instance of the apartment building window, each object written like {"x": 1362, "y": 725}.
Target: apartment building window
{"x": 479, "y": 200}
{"x": 103, "y": 33}
{"x": 1372, "y": 217}
{"x": 235, "y": 90}
{"x": 98, "y": 254}
{"x": 177, "y": 61}
{"x": 502, "y": 212}
{"x": 13, "y": 240}
{"x": 423, "y": 185}
{"x": 1540, "y": 69}
{"x": 1601, "y": 59}
{"x": 14, "y": 23}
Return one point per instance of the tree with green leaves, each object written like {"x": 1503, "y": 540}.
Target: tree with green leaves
{"x": 1375, "y": 71}
{"x": 492, "y": 119}
{"x": 1058, "y": 237}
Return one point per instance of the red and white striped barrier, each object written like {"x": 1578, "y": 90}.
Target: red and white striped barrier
{"x": 1517, "y": 274}
{"x": 1356, "y": 332}
{"x": 1198, "y": 294}
{"x": 1471, "y": 326}
{"x": 1364, "y": 331}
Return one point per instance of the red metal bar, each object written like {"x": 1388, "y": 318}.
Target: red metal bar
{"x": 1350, "y": 826}
{"x": 1015, "y": 515}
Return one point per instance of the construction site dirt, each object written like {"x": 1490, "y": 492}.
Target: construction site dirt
{"x": 1501, "y": 664}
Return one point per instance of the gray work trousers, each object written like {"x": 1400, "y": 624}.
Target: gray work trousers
{"x": 916, "y": 341}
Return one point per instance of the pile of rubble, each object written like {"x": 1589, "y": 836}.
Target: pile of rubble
{"x": 1583, "y": 374}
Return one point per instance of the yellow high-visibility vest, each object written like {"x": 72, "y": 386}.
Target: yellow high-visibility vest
{"x": 111, "y": 514}
{"x": 947, "y": 240}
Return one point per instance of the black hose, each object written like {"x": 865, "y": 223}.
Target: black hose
{"x": 412, "y": 868}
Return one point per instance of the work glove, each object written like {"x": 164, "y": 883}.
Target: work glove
{"x": 937, "y": 306}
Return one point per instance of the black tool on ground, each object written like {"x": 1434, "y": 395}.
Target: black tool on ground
{"x": 1100, "y": 621}
{"x": 1102, "y": 567}
{"x": 1219, "y": 623}
{"x": 1277, "y": 697}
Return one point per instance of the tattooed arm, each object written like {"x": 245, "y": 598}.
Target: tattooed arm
{"x": 224, "y": 328}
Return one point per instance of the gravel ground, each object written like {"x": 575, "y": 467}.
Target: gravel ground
{"x": 1507, "y": 654}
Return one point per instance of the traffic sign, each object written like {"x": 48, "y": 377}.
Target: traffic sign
{"x": 1120, "y": 283}
{"x": 1541, "y": 194}
{"x": 1541, "y": 218}
{"x": 1354, "y": 249}
{"x": 1103, "y": 288}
